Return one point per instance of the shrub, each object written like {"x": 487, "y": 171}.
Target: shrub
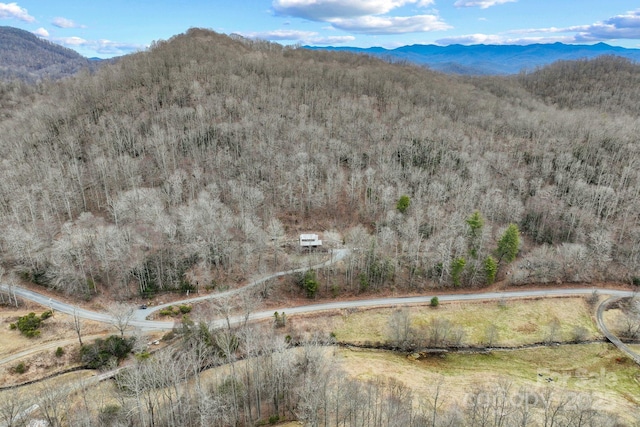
{"x": 20, "y": 368}
{"x": 59, "y": 352}
{"x": 143, "y": 355}
{"x": 280, "y": 319}
{"x": 47, "y": 314}
{"x": 593, "y": 299}
{"x": 167, "y": 311}
{"x": 101, "y": 352}
{"x": 28, "y": 325}
{"x": 172, "y": 311}
{"x": 435, "y": 302}
{"x": 112, "y": 414}
{"x": 580, "y": 333}
{"x": 403, "y": 203}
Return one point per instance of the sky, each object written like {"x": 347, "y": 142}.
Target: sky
{"x": 107, "y": 28}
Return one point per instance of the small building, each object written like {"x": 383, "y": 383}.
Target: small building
{"x": 310, "y": 240}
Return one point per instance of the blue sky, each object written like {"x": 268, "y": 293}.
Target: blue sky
{"x": 110, "y": 28}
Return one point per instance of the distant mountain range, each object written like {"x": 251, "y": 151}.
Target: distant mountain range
{"x": 490, "y": 59}
{"x": 25, "y": 56}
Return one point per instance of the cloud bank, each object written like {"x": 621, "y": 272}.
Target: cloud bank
{"x": 65, "y": 23}
{"x": 304, "y": 37}
{"x": 619, "y": 27}
{"x": 42, "y": 32}
{"x": 102, "y": 47}
{"x": 482, "y": 4}
{"x": 362, "y": 16}
{"x": 13, "y": 11}
{"x": 624, "y": 26}
{"x": 391, "y": 24}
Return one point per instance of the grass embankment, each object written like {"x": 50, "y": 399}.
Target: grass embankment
{"x": 56, "y": 328}
{"x": 515, "y": 322}
{"x": 597, "y": 369}
{"x": 39, "y": 357}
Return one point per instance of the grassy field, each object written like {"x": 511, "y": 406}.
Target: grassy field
{"x": 55, "y": 328}
{"x": 597, "y": 369}
{"x": 516, "y": 322}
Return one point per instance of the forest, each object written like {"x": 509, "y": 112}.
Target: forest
{"x": 193, "y": 162}
{"x": 27, "y": 57}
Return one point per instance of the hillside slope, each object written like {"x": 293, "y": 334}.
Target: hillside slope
{"x": 191, "y": 164}
{"x": 28, "y": 57}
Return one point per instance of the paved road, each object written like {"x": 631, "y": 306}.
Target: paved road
{"x": 140, "y": 316}
{"x": 335, "y": 256}
{"x": 139, "y": 321}
{"x": 611, "y": 337}
{"x": 142, "y": 323}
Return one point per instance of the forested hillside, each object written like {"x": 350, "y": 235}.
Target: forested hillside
{"x": 187, "y": 163}
{"x": 27, "y": 57}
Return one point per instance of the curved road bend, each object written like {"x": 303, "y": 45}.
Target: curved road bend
{"x": 140, "y": 316}
{"x": 144, "y": 324}
{"x": 611, "y": 337}
{"x": 336, "y": 255}
{"x": 139, "y": 320}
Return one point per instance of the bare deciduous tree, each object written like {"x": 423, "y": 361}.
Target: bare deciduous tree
{"x": 121, "y": 315}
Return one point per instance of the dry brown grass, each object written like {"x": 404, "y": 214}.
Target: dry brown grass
{"x": 597, "y": 369}
{"x": 55, "y": 328}
{"x": 518, "y": 322}
{"x": 38, "y": 354}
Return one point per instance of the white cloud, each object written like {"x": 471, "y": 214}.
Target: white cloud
{"x": 72, "y": 41}
{"x": 362, "y": 16}
{"x": 330, "y": 40}
{"x": 391, "y": 24}
{"x": 108, "y": 47}
{"x": 281, "y": 35}
{"x": 482, "y": 4}
{"x": 13, "y": 11}
{"x": 61, "y": 22}
{"x": 470, "y": 39}
{"x": 304, "y": 37}
{"x": 41, "y": 32}
{"x": 102, "y": 47}
{"x": 625, "y": 26}
{"x": 324, "y": 10}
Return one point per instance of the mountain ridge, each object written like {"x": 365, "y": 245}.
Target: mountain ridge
{"x": 27, "y": 57}
{"x": 488, "y": 59}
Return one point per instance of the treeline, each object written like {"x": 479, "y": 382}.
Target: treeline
{"x": 181, "y": 166}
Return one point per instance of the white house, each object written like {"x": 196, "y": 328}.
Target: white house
{"x": 310, "y": 240}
